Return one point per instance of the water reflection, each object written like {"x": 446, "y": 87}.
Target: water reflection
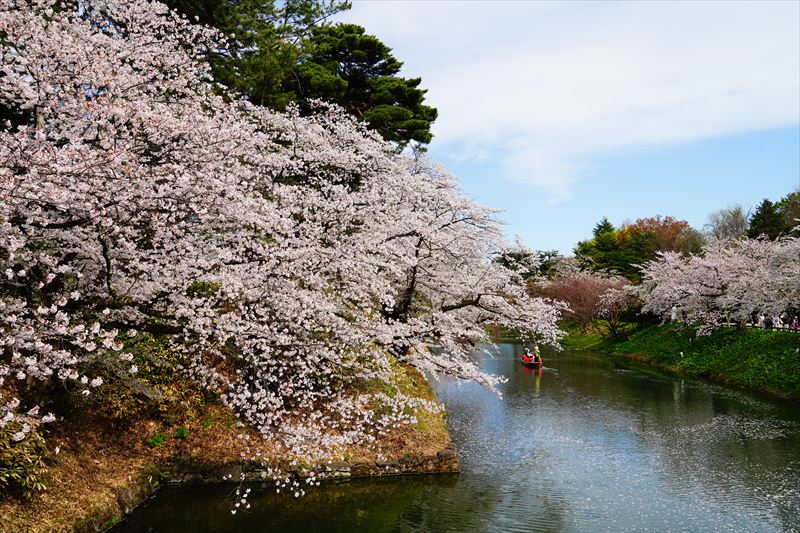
{"x": 590, "y": 445}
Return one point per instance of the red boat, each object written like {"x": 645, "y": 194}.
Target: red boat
{"x": 532, "y": 360}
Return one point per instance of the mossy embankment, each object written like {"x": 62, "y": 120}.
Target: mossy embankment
{"x": 104, "y": 468}
{"x": 756, "y": 359}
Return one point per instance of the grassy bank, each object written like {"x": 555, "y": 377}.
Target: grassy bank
{"x": 756, "y": 359}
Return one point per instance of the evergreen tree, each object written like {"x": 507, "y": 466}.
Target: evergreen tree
{"x": 789, "y": 208}
{"x": 604, "y": 226}
{"x": 598, "y": 252}
{"x": 622, "y": 250}
{"x": 284, "y": 52}
{"x": 766, "y": 220}
{"x": 264, "y": 42}
{"x": 345, "y": 65}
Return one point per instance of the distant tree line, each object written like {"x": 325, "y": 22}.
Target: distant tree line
{"x": 657, "y": 263}
{"x": 625, "y": 249}
{"x": 769, "y": 219}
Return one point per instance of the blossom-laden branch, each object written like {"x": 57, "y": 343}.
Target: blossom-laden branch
{"x": 285, "y": 257}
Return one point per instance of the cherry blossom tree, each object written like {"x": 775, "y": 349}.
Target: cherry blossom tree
{"x": 286, "y": 258}
{"x": 729, "y": 282}
{"x": 614, "y": 303}
{"x": 448, "y": 289}
{"x": 588, "y": 294}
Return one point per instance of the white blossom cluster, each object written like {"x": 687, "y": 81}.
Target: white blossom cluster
{"x": 616, "y": 300}
{"x": 728, "y": 283}
{"x": 290, "y": 258}
{"x": 22, "y": 423}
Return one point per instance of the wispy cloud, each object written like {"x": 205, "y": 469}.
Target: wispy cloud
{"x": 542, "y": 88}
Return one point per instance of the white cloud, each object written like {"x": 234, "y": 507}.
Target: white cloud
{"x": 543, "y": 87}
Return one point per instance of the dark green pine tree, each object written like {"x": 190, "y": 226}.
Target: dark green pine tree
{"x": 264, "y": 41}
{"x": 620, "y": 252}
{"x": 282, "y": 51}
{"x": 767, "y": 220}
{"x": 345, "y": 65}
{"x": 604, "y": 226}
{"x": 597, "y": 252}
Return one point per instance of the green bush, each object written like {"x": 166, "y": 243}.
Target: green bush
{"x": 22, "y": 467}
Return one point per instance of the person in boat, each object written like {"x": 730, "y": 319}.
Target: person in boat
{"x": 537, "y": 355}
{"x": 532, "y": 357}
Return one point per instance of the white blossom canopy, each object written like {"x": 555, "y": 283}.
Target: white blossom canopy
{"x": 730, "y": 282}
{"x": 286, "y": 257}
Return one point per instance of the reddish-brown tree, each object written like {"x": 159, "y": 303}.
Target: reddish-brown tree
{"x": 584, "y": 291}
{"x": 671, "y": 234}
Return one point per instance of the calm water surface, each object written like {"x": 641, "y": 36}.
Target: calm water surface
{"x": 591, "y": 445}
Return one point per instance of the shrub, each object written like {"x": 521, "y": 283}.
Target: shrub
{"x": 22, "y": 467}
{"x": 159, "y": 389}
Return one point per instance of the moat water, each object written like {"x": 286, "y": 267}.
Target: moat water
{"x": 593, "y": 444}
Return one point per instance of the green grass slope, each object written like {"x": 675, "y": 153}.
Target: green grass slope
{"x": 752, "y": 358}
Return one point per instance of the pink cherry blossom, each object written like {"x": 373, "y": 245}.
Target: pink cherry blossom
{"x": 301, "y": 250}
{"x": 730, "y": 282}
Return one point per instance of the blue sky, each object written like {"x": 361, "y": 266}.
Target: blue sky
{"x": 560, "y": 113}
